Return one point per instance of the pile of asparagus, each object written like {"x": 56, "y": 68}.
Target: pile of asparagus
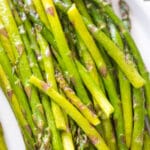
{"x": 73, "y": 75}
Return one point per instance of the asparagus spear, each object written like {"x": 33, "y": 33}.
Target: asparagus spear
{"x": 134, "y": 49}
{"x": 91, "y": 67}
{"x": 95, "y": 91}
{"x": 24, "y": 126}
{"x": 89, "y": 63}
{"x": 64, "y": 50}
{"x": 90, "y": 116}
{"x": 138, "y": 128}
{"x": 94, "y": 136}
{"x": 2, "y": 141}
{"x": 50, "y": 77}
{"x": 125, "y": 89}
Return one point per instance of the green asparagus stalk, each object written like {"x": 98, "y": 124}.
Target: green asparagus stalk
{"x": 2, "y": 141}
{"x": 94, "y": 136}
{"x": 6, "y": 43}
{"x": 95, "y": 91}
{"x": 109, "y": 134}
{"x": 64, "y": 50}
{"x": 50, "y": 77}
{"x": 89, "y": 63}
{"x": 25, "y": 127}
{"x": 125, "y": 65}
{"x": 125, "y": 89}
{"x": 134, "y": 49}
{"x": 91, "y": 67}
{"x": 17, "y": 87}
{"x": 138, "y": 128}
{"x": 88, "y": 114}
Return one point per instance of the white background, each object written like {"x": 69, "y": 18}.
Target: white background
{"x": 140, "y": 15}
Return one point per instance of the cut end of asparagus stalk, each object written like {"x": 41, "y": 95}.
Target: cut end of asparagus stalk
{"x": 96, "y": 92}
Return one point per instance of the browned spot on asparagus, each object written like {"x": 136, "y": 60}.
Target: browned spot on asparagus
{"x": 3, "y": 32}
{"x": 51, "y": 11}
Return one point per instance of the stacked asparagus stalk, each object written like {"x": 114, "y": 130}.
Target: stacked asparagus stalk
{"x": 73, "y": 75}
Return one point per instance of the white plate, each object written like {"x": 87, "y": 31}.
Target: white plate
{"x": 140, "y": 15}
